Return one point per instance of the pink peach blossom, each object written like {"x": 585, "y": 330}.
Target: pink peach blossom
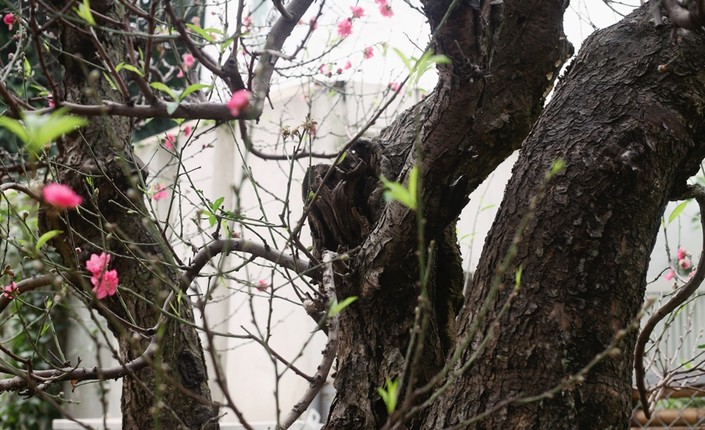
{"x": 670, "y": 274}
{"x": 368, "y": 52}
{"x": 386, "y": 10}
{"x": 345, "y": 28}
{"x": 98, "y": 264}
{"x": 357, "y": 11}
{"x": 169, "y": 141}
{"x": 160, "y": 193}
{"x": 9, "y": 20}
{"x": 262, "y": 285}
{"x": 188, "y": 60}
{"x": 187, "y": 130}
{"x": 347, "y": 65}
{"x": 9, "y": 291}
{"x": 681, "y": 253}
{"x": 60, "y": 196}
{"x": 105, "y": 284}
{"x": 239, "y": 101}
{"x": 394, "y": 86}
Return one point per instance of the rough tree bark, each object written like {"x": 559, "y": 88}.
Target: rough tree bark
{"x": 504, "y": 60}
{"x": 629, "y": 135}
{"x": 99, "y": 164}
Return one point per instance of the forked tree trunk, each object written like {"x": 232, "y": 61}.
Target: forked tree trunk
{"x": 629, "y": 136}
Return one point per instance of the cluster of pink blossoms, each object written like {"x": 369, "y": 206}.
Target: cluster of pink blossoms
{"x": 683, "y": 263}
{"x": 8, "y": 291}
{"x": 105, "y": 282}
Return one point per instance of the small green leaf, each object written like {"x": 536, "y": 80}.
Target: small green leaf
{"x": 27, "y": 70}
{"x": 191, "y": 89}
{"x": 677, "y": 211}
{"x": 343, "y": 157}
{"x": 46, "y": 237}
{"x": 398, "y": 192}
{"x": 44, "y": 129}
{"x": 15, "y": 128}
{"x": 310, "y": 195}
{"x": 84, "y": 12}
{"x": 556, "y": 168}
{"x": 201, "y": 32}
{"x": 129, "y": 67}
{"x": 110, "y": 81}
{"x": 216, "y": 204}
{"x": 517, "y": 276}
{"x": 701, "y": 346}
{"x": 404, "y": 59}
{"x": 389, "y": 395}
{"x": 163, "y": 88}
{"x": 336, "y": 308}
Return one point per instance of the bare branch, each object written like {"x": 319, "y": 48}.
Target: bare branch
{"x": 229, "y": 245}
{"x": 282, "y": 10}
{"x": 328, "y": 283}
{"x": 687, "y": 290}
{"x": 49, "y": 377}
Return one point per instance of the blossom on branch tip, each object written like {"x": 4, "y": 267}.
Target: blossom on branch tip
{"x": 681, "y": 253}
{"x": 160, "y": 192}
{"x": 670, "y": 274}
{"x": 187, "y": 130}
{"x": 262, "y": 285}
{"x": 169, "y": 141}
{"x": 60, "y": 196}
{"x": 394, "y": 86}
{"x": 345, "y": 28}
{"x": 188, "y": 60}
{"x": 9, "y": 20}
{"x": 9, "y": 291}
{"x": 347, "y": 65}
{"x": 357, "y": 11}
{"x": 239, "y": 101}
{"x": 386, "y": 10}
{"x": 368, "y": 52}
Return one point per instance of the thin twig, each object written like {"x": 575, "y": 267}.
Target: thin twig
{"x": 698, "y": 193}
{"x": 319, "y": 379}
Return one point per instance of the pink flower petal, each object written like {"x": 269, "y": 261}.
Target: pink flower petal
{"x": 239, "y": 101}
{"x": 160, "y": 193}
{"x": 60, "y": 196}
{"x": 105, "y": 284}
{"x": 345, "y": 28}
{"x": 98, "y": 264}
{"x": 169, "y": 141}
{"x": 357, "y": 11}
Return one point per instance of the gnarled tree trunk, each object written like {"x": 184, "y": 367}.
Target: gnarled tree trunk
{"x": 99, "y": 164}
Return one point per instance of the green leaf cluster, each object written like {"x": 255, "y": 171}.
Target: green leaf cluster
{"x": 37, "y": 131}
